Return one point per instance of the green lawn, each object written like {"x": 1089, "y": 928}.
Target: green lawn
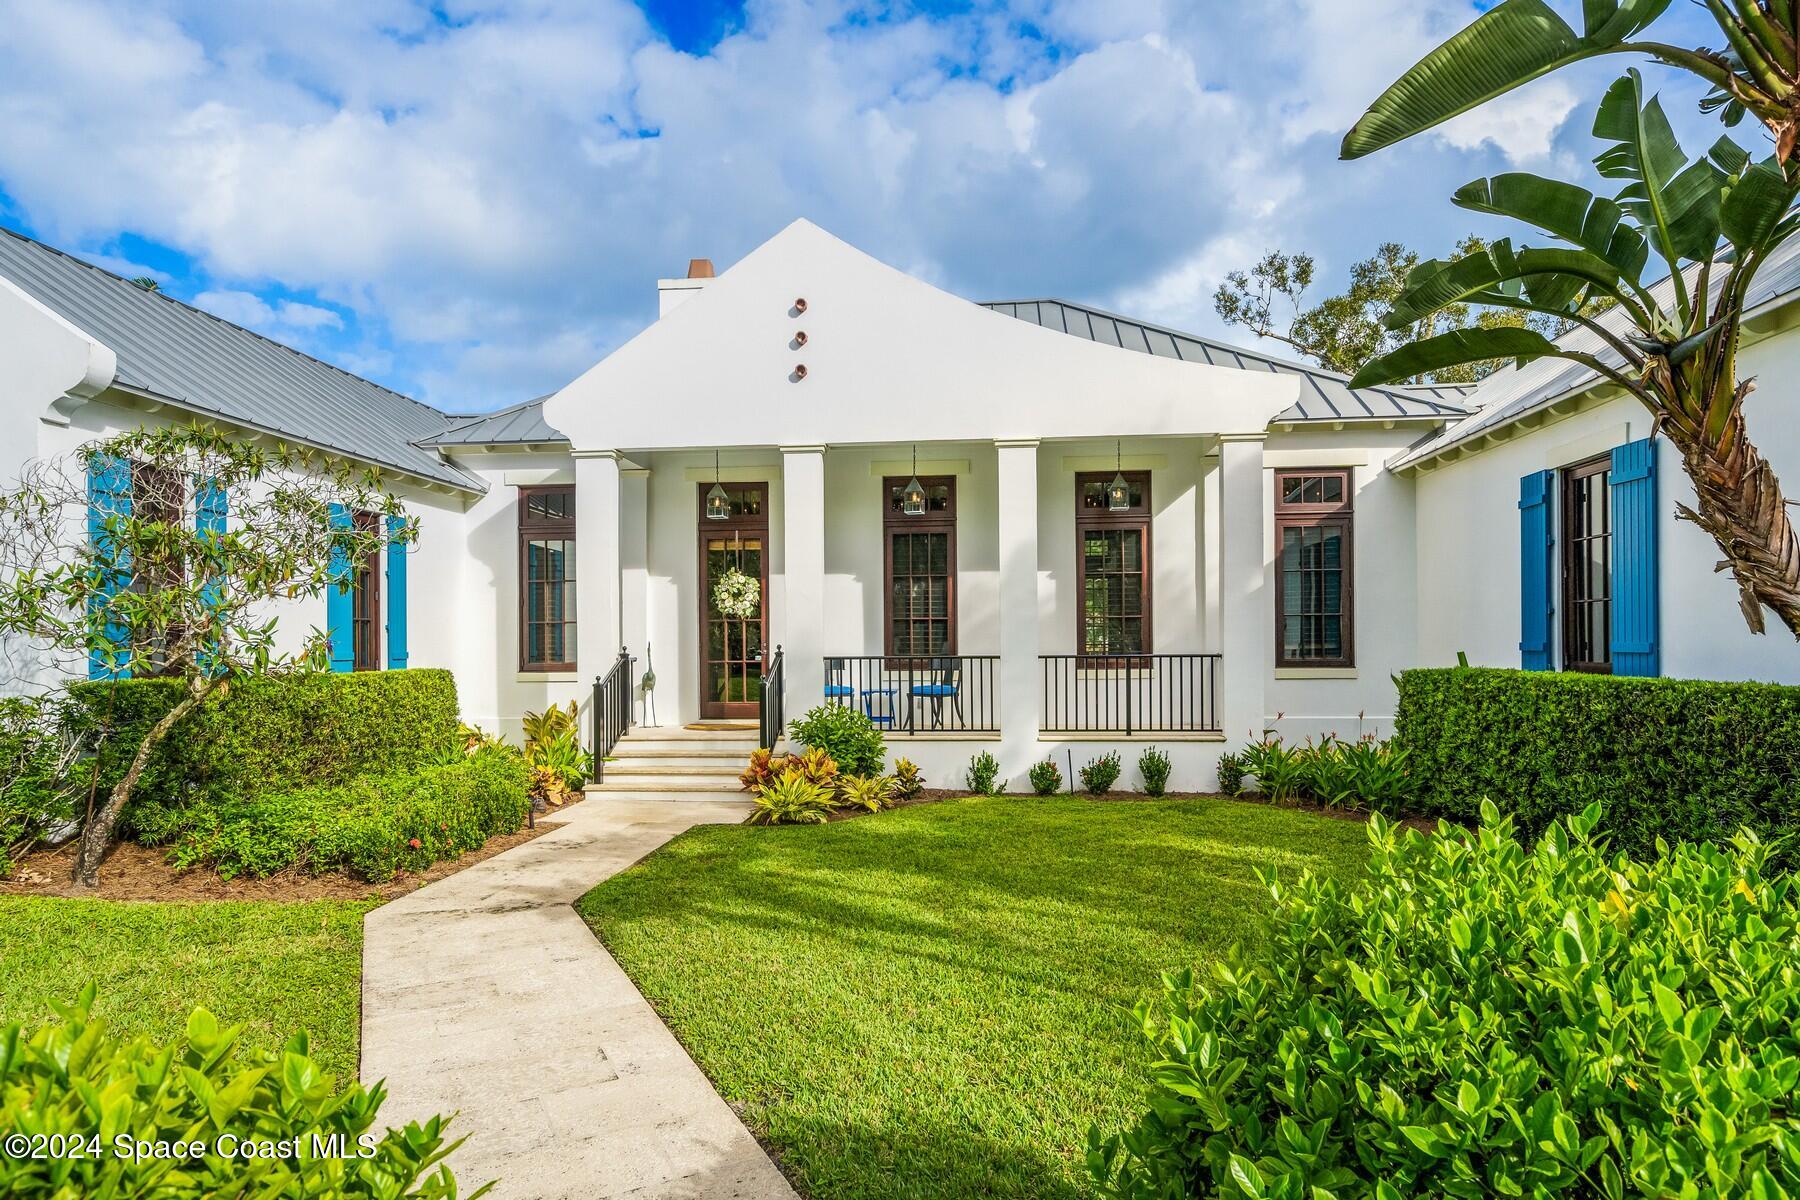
{"x": 929, "y": 1003}
{"x": 275, "y": 968}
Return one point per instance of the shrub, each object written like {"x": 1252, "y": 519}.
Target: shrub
{"x": 36, "y": 789}
{"x": 1099, "y": 775}
{"x": 371, "y": 827}
{"x": 1154, "y": 766}
{"x": 271, "y": 733}
{"x": 983, "y": 775}
{"x": 75, "y": 1082}
{"x": 1046, "y": 778}
{"x": 871, "y": 793}
{"x": 846, "y": 734}
{"x": 908, "y": 782}
{"x": 1231, "y": 774}
{"x": 1473, "y": 1019}
{"x": 1677, "y": 759}
{"x": 791, "y": 800}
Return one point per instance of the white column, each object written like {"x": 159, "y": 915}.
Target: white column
{"x": 598, "y": 634}
{"x": 634, "y": 570}
{"x": 1211, "y": 531}
{"x": 803, "y": 572}
{"x": 1018, "y": 544}
{"x": 1244, "y": 604}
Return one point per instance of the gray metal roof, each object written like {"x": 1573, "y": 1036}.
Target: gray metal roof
{"x": 1324, "y": 395}
{"x": 1514, "y": 392}
{"x": 199, "y": 362}
{"x": 520, "y": 425}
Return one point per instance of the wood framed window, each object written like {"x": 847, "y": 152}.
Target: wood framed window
{"x": 1113, "y": 565}
{"x": 1314, "y": 579}
{"x": 365, "y": 599}
{"x": 920, "y": 554}
{"x": 1587, "y": 565}
{"x": 158, "y": 495}
{"x": 547, "y": 578}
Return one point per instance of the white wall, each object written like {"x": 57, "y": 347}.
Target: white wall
{"x": 1468, "y": 531}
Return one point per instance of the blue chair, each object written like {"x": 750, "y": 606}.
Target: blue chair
{"x": 943, "y": 681}
{"x": 835, "y": 687}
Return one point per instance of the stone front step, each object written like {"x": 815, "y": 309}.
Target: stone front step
{"x": 681, "y": 733}
{"x": 660, "y": 770}
{"x": 631, "y": 784}
{"x": 637, "y": 760}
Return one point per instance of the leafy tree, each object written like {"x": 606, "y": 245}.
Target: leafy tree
{"x": 1344, "y": 331}
{"x": 103, "y": 557}
{"x": 1711, "y": 222}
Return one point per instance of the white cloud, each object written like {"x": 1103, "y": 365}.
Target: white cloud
{"x": 493, "y": 195}
{"x": 253, "y": 312}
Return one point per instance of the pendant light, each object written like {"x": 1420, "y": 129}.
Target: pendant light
{"x": 718, "y": 504}
{"x": 912, "y": 500}
{"x": 1118, "y": 492}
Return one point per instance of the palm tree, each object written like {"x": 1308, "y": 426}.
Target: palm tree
{"x": 1711, "y": 222}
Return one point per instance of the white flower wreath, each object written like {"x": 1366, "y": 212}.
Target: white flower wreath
{"x": 737, "y": 595}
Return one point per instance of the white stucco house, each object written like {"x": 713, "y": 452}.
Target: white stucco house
{"x": 1119, "y": 534}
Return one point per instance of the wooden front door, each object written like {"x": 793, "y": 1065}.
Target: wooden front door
{"x": 733, "y": 632}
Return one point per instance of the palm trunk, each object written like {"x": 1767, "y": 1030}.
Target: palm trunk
{"x": 1741, "y": 506}
{"x": 96, "y": 835}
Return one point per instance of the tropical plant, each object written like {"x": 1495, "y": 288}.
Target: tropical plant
{"x": 1046, "y": 778}
{"x": 792, "y": 800}
{"x": 765, "y": 768}
{"x": 983, "y": 775}
{"x": 908, "y": 782}
{"x": 1231, "y": 774}
{"x": 815, "y": 766}
{"x": 1154, "y": 766}
{"x": 1282, "y": 772}
{"x": 1099, "y": 775}
{"x": 103, "y": 555}
{"x": 871, "y": 793}
{"x": 845, "y": 733}
{"x": 1474, "y": 1019}
{"x": 1674, "y": 345}
{"x": 126, "y": 1102}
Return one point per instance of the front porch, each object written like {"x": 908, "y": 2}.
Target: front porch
{"x": 1022, "y": 604}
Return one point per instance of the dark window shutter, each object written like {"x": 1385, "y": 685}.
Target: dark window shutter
{"x": 396, "y": 595}
{"x": 338, "y": 617}
{"x": 109, "y": 495}
{"x": 1536, "y": 601}
{"x": 1635, "y": 576}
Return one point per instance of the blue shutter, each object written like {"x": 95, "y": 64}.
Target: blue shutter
{"x": 338, "y": 625}
{"x": 1634, "y": 560}
{"x": 109, "y": 495}
{"x": 1536, "y": 543}
{"x": 210, "y": 508}
{"x": 396, "y": 595}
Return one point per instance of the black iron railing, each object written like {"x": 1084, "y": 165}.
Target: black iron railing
{"x": 936, "y": 694}
{"x": 612, "y": 711}
{"x": 1130, "y": 693}
{"x": 771, "y": 708}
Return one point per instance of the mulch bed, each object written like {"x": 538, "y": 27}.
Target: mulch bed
{"x": 133, "y": 872}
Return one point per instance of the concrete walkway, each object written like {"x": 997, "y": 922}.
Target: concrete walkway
{"x": 486, "y": 993}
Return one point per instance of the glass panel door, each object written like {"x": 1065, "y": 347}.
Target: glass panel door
{"x": 734, "y": 586}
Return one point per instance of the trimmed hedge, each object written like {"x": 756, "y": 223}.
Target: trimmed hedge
{"x": 267, "y": 734}
{"x": 1679, "y": 759}
{"x": 371, "y": 827}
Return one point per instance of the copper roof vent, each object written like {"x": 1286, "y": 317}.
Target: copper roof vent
{"x": 700, "y": 268}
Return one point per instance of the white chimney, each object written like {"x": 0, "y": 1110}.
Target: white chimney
{"x": 671, "y": 292}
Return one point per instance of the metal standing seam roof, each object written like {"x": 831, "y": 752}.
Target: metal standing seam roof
{"x": 1324, "y": 395}
{"x": 519, "y": 425}
{"x": 194, "y": 360}
{"x": 1514, "y": 392}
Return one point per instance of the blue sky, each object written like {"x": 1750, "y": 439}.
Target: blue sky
{"x": 470, "y": 200}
